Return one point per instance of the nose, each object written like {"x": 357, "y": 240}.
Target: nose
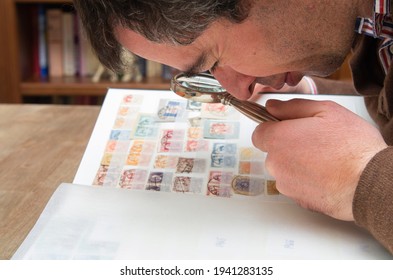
{"x": 237, "y": 84}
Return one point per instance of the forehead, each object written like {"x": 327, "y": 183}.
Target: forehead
{"x": 178, "y": 56}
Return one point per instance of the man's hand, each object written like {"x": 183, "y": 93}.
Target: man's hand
{"x": 317, "y": 153}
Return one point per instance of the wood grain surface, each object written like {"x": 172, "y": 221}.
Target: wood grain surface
{"x": 40, "y": 147}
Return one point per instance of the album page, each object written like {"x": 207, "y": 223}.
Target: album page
{"x": 166, "y": 178}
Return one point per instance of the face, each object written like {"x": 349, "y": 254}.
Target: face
{"x": 268, "y": 49}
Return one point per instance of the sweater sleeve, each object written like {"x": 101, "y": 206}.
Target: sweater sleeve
{"x": 373, "y": 200}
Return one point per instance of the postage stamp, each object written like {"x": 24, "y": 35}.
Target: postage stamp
{"x": 220, "y": 177}
{"x": 120, "y": 135}
{"x": 146, "y": 127}
{"x": 141, "y": 146}
{"x": 223, "y": 161}
{"x": 170, "y": 146}
{"x": 194, "y": 105}
{"x": 219, "y": 190}
{"x": 100, "y": 176}
{"x": 171, "y": 110}
{"x": 111, "y": 146}
{"x": 126, "y": 111}
{"x": 191, "y": 165}
{"x": 219, "y": 183}
{"x": 252, "y": 167}
{"x": 171, "y": 140}
{"x": 214, "y": 129}
{"x": 271, "y": 188}
{"x": 195, "y": 121}
{"x": 139, "y": 159}
{"x": 172, "y": 134}
{"x": 187, "y": 184}
{"x": 141, "y": 152}
{"x": 199, "y": 145}
{"x": 251, "y": 153}
{"x": 224, "y": 148}
{"x": 218, "y": 111}
{"x": 133, "y": 179}
{"x": 123, "y": 123}
{"x": 223, "y": 155}
{"x": 159, "y": 181}
{"x": 114, "y": 146}
{"x": 194, "y": 133}
{"x": 246, "y": 185}
{"x": 131, "y": 99}
{"x": 106, "y": 159}
{"x": 105, "y": 178}
{"x": 165, "y": 161}
{"x": 111, "y": 180}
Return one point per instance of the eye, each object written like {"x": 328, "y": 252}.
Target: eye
{"x": 214, "y": 67}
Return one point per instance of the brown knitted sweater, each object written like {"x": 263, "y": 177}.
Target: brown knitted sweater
{"x": 373, "y": 201}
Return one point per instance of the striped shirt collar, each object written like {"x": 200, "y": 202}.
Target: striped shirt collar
{"x": 379, "y": 26}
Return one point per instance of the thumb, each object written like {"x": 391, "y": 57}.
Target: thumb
{"x": 296, "y": 108}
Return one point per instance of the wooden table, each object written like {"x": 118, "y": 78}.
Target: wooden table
{"x": 40, "y": 147}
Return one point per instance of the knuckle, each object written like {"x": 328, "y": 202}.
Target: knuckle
{"x": 261, "y": 135}
{"x": 269, "y": 165}
{"x": 256, "y": 137}
{"x": 329, "y": 105}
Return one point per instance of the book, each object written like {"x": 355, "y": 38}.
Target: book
{"x": 42, "y": 42}
{"x": 88, "y": 61}
{"x": 76, "y": 41}
{"x": 29, "y": 43}
{"x": 142, "y": 65}
{"x": 153, "y": 69}
{"x": 165, "y": 178}
{"x": 69, "y": 48}
{"x": 54, "y": 19}
{"x": 168, "y": 72}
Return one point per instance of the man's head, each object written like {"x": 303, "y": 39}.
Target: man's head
{"x": 243, "y": 43}
{"x": 174, "y": 21}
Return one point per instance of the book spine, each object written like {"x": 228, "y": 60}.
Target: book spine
{"x": 88, "y": 62}
{"x": 168, "y": 72}
{"x": 142, "y": 66}
{"x": 69, "y": 67}
{"x": 35, "y": 66}
{"x": 76, "y": 44}
{"x": 55, "y": 42}
{"x": 42, "y": 42}
{"x": 153, "y": 69}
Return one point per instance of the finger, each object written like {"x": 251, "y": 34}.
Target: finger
{"x": 263, "y": 135}
{"x": 298, "y": 108}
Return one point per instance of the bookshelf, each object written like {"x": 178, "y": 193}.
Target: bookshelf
{"x": 20, "y": 84}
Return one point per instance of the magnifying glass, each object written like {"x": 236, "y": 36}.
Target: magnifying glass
{"x": 206, "y": 89}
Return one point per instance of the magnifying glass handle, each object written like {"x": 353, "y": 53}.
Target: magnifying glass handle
{"x": 254, "y": 111}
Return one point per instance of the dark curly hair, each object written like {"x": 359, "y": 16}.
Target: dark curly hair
{"x": 161, "y": 21}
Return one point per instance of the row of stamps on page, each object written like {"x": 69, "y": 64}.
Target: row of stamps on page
{"x": 183, "y": 146}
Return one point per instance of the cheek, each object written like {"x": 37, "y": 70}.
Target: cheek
{"x": 255, "y": 66}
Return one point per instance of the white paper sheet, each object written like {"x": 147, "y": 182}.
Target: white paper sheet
{"x": 82, "y": 222}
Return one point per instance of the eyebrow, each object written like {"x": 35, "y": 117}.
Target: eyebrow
{"x": 197, "y": 66}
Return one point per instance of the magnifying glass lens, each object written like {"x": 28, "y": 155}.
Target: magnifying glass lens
{"x": 201, "y": 83}
{"x": 206, "y": 89}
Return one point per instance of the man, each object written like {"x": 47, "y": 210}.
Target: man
{"x": 321, "y": 155}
